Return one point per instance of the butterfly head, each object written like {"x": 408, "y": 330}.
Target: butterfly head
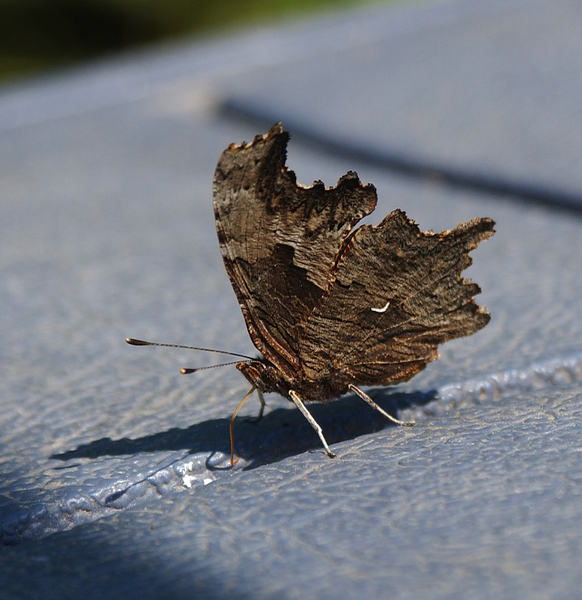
{"x": 264, "y": 376}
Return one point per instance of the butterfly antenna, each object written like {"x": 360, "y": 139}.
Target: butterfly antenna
{"x": 133, "y": 342}
{"x": 188, "y": 371}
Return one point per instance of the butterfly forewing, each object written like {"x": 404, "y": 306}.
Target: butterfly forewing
{"x": 279, "y": 240}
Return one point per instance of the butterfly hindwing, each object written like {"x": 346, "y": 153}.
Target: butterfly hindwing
{"x": 397, "y": 294}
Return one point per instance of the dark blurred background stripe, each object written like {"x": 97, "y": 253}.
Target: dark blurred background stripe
{"x": 39, "y": 34}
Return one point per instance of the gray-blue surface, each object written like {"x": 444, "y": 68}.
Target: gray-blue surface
{"x": 114, "y": 468}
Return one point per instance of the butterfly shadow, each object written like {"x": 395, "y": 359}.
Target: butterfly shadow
{"x": 287, "y": 433}
{"x": 282, "y": 432}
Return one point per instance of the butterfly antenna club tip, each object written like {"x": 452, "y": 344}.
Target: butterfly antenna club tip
{"x": 133, "y": 342}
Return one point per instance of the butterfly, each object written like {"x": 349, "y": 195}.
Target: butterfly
{"x": 331, "y": 307}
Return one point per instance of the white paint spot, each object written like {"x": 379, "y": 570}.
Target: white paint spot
{"x": 188, "y": 480}
{"x": 193, "y": 480}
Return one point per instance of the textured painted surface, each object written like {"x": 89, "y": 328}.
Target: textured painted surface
{"x": 495, "y": 96}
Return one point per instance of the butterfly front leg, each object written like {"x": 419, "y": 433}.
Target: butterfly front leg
{"x": 299, "y": 404}
{"x": 261, "y": 410}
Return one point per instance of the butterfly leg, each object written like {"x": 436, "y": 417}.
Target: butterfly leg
{"x": 369, "y": 400}
{"x": 299, "y": 404}
{"x": 261, "y": 410}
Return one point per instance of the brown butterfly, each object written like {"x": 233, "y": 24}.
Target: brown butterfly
{"x": 329, "y": 307}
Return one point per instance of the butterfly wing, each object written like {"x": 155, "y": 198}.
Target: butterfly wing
{"x": 279, "y": 240}
{"x": 397, "y": 294}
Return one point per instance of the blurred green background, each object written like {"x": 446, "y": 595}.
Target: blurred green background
{"x": 39, "y": 34}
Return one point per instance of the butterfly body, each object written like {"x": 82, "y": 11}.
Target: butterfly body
{"x": 268, "y": 378}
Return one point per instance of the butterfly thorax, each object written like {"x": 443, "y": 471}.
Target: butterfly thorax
{"x": 268, "y": 378}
